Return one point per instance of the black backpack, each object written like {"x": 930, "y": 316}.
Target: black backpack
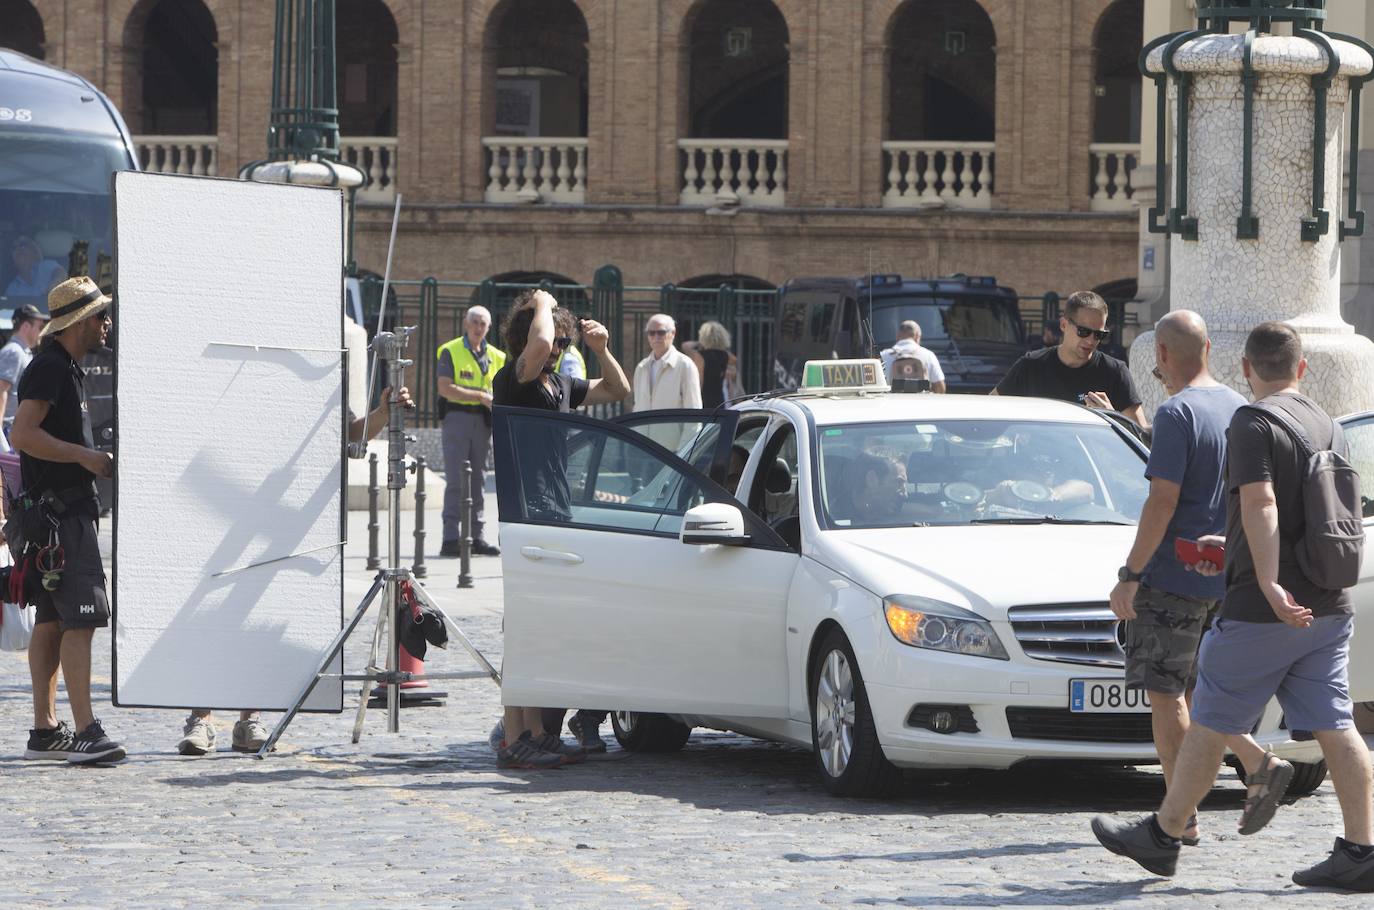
{"x": 1329, "y": 548}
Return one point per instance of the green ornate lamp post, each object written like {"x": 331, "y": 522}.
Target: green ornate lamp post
{"x": 1255, "y": 221}
{"x": 303, "y": 133}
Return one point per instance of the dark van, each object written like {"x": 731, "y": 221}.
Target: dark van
{"x": 973, "y": 325}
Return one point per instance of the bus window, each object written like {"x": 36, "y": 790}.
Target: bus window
{"x": 792, "y": 323}
{"x": 822, "y": 321}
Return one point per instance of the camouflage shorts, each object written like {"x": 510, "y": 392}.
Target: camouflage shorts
{"x": 1162, "y": 641}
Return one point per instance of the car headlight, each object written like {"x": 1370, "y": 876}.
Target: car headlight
{"x": 925, "y": 623}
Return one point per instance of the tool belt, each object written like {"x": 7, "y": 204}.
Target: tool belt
{"x": 32, "y": 533}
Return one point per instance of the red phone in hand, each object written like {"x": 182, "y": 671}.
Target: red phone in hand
{"x": 1191, "y": 552}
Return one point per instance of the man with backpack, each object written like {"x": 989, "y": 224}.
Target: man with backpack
{"x": 1293, "y": 541}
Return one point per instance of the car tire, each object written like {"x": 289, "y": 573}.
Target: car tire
{"x": 844, "y": 740}
{"x": 640, "y": 732}
{"x": 1307, "y": 776}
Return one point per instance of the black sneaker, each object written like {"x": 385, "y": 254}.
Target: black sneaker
{"x": 555, "y": 746}
{"x": 586, "y": 726}
{"x": 523, "y": 753}
{"x": 91, "y": 745}
{"x": 1339, "y": 870}
{"x": 50, "y": 745}
{"x": 1137, "y": 841}
{"x": 482, "y": 548}
{"x": 450, "y": 548}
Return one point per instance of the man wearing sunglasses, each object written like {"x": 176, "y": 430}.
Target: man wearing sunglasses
{"x": 1076, "y": 369}
{"x": 666, "y": 379}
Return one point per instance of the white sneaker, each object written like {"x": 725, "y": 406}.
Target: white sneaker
{"x": 249, "y": 735}
{"x": 199, "y": 736}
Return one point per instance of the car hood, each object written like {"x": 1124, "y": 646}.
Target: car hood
{"x": 986, "y": 568}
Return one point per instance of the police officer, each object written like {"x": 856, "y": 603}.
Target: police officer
{"x": 467, "y": 365}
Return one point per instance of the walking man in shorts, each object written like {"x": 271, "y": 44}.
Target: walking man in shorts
{"x": 1167, "y": 607}
{"x": 59, "y": 463}
{"x": 1278, "y": 633}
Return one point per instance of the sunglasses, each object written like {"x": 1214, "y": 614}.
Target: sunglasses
{"x": 655, "y": 333}
{"x": 1154, "y": 371}
{"x": 1085, "y": 332}
{"x": 562, "y": 342}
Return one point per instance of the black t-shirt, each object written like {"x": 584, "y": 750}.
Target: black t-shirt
{"x": 1041, "y": 374}
{"x": 543, "y": 450}
{"x": 1257, "y": 449}
{"x": 57, "y": 379}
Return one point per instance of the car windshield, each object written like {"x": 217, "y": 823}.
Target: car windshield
{"x": 961, "y": 318}
{"x": 54, "y": 212}
{"x": 964, "y": 472}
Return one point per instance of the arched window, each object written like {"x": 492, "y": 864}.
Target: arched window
{"x": 22, "y": 28}
{"x": 367, "y": 85}
{"x": 535, "y": 127}
{"x": 942, "y": 72}
{"x": 1116, "y": 104}
{"x": 739, "y": 66}
{"x": 178, "y": 91}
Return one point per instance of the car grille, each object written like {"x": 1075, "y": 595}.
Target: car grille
{"x": 1069, "y": 633}
{"x": 1064, "y": 725}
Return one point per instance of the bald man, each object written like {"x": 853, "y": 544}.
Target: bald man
{"x": 1170, "y": 607}
{"x": 467, "y": 366}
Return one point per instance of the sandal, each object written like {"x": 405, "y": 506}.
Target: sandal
{"x": 1191, "y": 825}
{"x": 1273, "y": 781}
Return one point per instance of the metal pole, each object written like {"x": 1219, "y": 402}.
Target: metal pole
{"x": 465, "y": 530}
{"x": 418, "y": 568}
{"x": 373, "y": 494}
{"x": 395, "y": 482}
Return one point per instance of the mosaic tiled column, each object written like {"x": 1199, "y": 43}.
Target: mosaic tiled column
{"x": 1236, "y": 284}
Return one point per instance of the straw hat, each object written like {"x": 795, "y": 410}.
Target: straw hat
{"x": 72, "y": 301}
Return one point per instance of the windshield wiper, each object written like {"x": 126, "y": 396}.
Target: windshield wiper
{"x": 1043, "y": 520}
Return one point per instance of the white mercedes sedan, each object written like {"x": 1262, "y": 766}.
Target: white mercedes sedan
{"x": 890, "y": 580}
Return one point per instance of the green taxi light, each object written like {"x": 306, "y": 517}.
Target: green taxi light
{"x": 846, "y": 375}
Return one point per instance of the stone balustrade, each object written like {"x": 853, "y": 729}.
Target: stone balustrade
{"x": 375, "y": 156}
{"x": 931, "y": 174}
{"x": 536, "y": 169}
{"x": 1112, "y": 166}
{"x": 745, "y": 172}
{"x": 198, "y": 155}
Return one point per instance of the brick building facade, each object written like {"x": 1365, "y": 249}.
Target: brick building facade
{"x": 675, "y": 138}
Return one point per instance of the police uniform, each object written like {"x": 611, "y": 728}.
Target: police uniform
{"x": 466, "y": 432}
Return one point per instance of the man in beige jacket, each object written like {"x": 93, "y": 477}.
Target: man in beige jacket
{"x": 665, "y": 379}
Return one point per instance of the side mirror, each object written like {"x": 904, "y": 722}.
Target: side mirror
{"x": 713, "y": 523}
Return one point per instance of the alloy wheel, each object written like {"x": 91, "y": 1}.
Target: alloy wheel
{"x": 835, "y": 715}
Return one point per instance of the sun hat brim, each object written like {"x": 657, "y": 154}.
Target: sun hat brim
{"x": 90, "y": 308}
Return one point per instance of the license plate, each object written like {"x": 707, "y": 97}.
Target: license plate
{"x": 1106, "y": 696}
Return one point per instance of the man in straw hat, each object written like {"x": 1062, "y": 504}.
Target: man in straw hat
{"x": 59, "y": 463}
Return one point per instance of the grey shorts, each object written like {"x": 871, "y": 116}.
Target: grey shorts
{"x": 1244, "y": 664}
{"x": 1162, "y": 641}
{"x": 80, "y": 601}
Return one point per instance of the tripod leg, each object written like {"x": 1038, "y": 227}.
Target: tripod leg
{"x": 334, "y": 648}
{"x": 477, "y": 655}
{"x": 366, "y": 692}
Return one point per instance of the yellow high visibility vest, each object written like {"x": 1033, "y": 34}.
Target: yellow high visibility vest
{"x": 466, "y": 373}
{"x": 576, "y": 355}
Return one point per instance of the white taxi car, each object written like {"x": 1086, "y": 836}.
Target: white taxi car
{"x": 891, "y": 580}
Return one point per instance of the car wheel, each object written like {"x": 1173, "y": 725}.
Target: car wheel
{"x": 1307, "y": 776}
{"x": 844, "y": 740}
{"x": 640, "y": 732}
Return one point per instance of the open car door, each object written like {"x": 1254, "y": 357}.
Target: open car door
{"x": 1359, "y": 434}
{"x": 608, "y": 604}
{"x": 700, "y": 438}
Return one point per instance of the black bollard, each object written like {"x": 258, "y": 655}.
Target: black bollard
{"x": 465, "y": 522}
{"x": 419, "y": 567}
{"x": 373, "y": 527}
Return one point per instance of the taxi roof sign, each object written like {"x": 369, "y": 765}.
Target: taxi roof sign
{"x": 844, "y": 376}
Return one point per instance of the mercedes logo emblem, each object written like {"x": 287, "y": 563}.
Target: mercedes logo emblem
{"x": 1121, "y": 630}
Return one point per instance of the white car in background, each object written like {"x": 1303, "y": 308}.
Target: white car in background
{"x": 962, "y": 623}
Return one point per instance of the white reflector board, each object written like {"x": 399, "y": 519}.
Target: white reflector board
{"x": 228, "y": 456}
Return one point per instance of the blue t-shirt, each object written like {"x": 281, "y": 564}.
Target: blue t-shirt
{"x": 1189, "y": 449}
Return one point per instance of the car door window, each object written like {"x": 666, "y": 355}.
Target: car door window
{"x": 699, "y": 438}
{"x": 1359, "y": 435}
{"x": 568, "y": 470}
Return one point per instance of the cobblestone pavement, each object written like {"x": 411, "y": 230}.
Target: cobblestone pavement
{"x": 424, "y": 818}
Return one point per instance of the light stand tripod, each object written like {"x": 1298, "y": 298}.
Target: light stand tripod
{"x": 391, "y": 347}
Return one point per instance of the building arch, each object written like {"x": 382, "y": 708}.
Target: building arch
{"x": 170, "y": 52}
{"x": 1117, "y": 41}
{"x": 941, "y": 72}
{"x": 368, "y": 66}
{"x": 23, "y": 28}
{"x": 541, "y": 75}
{"x": 739, "y": 63}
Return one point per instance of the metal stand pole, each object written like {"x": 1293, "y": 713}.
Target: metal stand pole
{"x": 395, "y": 483}
{"x": 465, "y": 531}
{"x": 372, "y": 527}
{"x": 418, "y": 568}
